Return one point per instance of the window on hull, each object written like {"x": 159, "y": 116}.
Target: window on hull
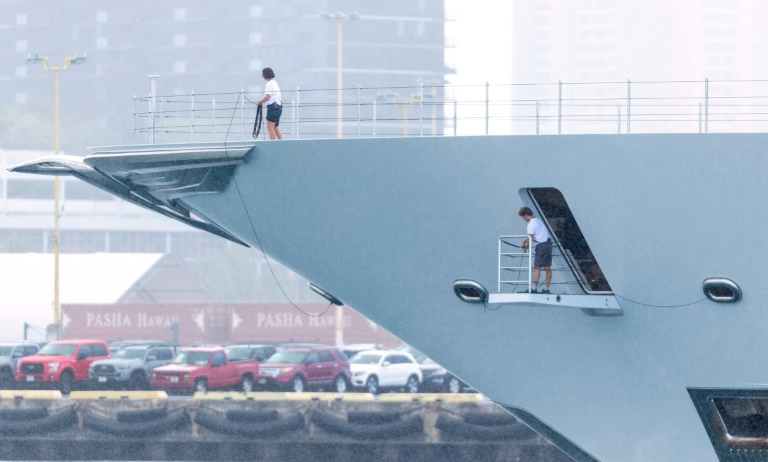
{"x": 557, "y": 215}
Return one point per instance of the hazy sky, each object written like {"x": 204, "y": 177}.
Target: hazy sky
{"x": 483, "y": 41}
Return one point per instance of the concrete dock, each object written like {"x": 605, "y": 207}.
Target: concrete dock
{"x": 92, "y": 425}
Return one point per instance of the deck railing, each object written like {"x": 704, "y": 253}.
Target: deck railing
{"x": 456, "y": 110}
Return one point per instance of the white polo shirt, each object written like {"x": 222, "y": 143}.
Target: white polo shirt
{"x": 539, "y": 231}
{"x": 273, "y": 90}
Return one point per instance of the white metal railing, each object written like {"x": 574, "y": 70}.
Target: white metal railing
{"x": 510, "y": 247}
{"x": 455, "y": 110}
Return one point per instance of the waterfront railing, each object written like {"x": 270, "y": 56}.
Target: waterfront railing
{"x": 690, "y": 106}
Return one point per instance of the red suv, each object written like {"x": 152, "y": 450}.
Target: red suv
{"x": 300, "y": 368}
{"x": 62, "y": 363}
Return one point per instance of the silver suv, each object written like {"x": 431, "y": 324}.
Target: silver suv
{"x": 10, "y": 353}
{"x": 130, "y": 367}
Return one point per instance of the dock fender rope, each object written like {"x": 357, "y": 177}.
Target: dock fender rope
{"x": 411, "y": 426}
{"x": 452, "y": 428}
{"x": 281, "y": 426}
{"x": 26, "y": 413}
{"x": 246, "y": 416}
{"x": 142, "y": 415}
{"x": 57, "y": 421}
{"x": 173, "y": 421}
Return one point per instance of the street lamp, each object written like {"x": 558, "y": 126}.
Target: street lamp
{"x": 339, "y": 17}
{"x": 394, "y": 98}
{"x": 56, "y": 69}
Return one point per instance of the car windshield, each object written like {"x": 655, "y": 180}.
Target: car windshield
{"x": 130, "y": 353}
{"x": 5, "y": 350}
{"x": 290, "y": 357}
{"x": 58, "y": 349}
{"x": 361, "y": 358}
{"x": 198, "y": 358}
{"x": 237, "y": 353}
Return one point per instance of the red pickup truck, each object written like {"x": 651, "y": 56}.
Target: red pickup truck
{"x": 63, "y": 364}
{"x": 201, "y": 369}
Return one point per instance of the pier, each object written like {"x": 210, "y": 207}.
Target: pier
{"x": 93, "y": 425}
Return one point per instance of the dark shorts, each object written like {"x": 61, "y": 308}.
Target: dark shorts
{"x": 543, "y": 256}
{"x": 274, "y": 111}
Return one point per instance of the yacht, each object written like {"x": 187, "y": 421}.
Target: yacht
{"x": 652, "y": 343}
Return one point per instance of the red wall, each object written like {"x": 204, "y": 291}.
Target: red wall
{"x": 220, "y": 323}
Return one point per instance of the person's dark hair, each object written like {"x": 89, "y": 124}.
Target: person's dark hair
{"x": 525, "y": 211}
{"x": 268, "y": 73}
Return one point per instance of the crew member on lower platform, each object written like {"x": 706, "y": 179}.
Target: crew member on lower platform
{"x": 538, "y": 233}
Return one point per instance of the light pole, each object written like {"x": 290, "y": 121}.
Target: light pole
{"x": 394, "y": 98}
{"x": 56, "y": 69}
{"x": 339, "y": 17}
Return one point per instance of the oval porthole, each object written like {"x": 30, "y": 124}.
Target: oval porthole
{"x": 470, "y": 291}
{"x": 721, "y": 290}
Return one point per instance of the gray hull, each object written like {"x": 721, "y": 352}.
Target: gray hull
{"x": 387, "y": 225}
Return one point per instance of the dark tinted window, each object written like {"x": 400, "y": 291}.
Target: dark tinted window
{"x": 98, "y": 350}
{"x": 30, "y": 350}
{"x": 164, "y": 353}
{"x": 218, "y": 359}
{"x": 326, "y": 357}
{"x": 313, "y": 358}
{"x": 85, "y": 352}
{"x": 342, "y": 356}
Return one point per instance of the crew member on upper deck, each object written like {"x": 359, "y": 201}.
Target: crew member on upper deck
{"x": 274, "y": 103}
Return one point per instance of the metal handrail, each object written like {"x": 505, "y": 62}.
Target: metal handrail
{"x": 502, "y": 246}
{"x": 456, "y": 110}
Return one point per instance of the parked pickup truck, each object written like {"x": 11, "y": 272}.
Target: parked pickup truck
{"x": 10, "y": 354}
{"x": 201, "y": 369}
{"x": 130, "y": 367}
{"x": 62, "y": 364}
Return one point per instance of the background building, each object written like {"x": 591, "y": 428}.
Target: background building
{"x": 197, "y": 46}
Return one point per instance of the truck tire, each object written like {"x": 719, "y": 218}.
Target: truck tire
{"x": 201, "y": 386}
{"x": 340, "y": 384}
{"x": 137, "y": 381}
{"x": 246, "y": 385}
{"x": 7, "y": 381}
{"x": 412, "y": 386}
{"x": 66, "y": 382}
{"x": 372, "y": 384}
{"x": 297, "y": 384}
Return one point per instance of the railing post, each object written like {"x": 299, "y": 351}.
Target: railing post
{"x": 151, "y": 119}
{"x": 629, "y": 111}
{"x": 298, "y": 108}
{"x": 455, "y": 116}
{"x": 486, "y": 108}
{"x": 192, "y": 118}
{"x": 537, "y": 117}
{"x": 618, "y": 118}
{"x": 134, "y": 120}
{"x": 152, "y": 101}
{"x": 358, "y": 110}
{"x": 559, "y": 106}
{"x": 498, "y": 267}
{"x": 242, "y": 114}
{"x": 421, "y": 109}
{"x": 699, "y": 117}
{"x": 374, "y": 117}
{"x": 213, "y": 117}
{"x": 706, "y": 105}
{"x": 162, "y": 115}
